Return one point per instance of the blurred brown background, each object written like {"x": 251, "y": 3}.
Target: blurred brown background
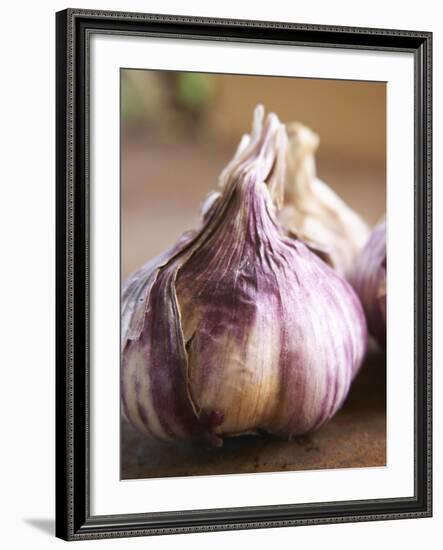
{"x": 178, "y": 130}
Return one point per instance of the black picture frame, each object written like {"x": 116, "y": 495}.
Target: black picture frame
{"x": 74, "y": 28}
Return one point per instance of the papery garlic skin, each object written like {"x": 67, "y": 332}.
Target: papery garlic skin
{"x": 369, "y": 280}
{"x": 312, "y": 211}
{"x": 244, "y": 329}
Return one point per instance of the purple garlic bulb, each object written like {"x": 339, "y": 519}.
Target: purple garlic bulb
{"x": 238, "y": 328}
{"x": 369, "y": 280}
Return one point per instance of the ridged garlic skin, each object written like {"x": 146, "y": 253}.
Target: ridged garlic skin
{"x": 313, "y": 211}
{"x": 369, "y": 280}
{"x": 240, "y": 329}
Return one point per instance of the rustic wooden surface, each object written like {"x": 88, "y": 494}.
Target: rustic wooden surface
{"x": 355, "y": 437}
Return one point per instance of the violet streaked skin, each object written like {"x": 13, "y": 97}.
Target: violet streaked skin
{"x": 241, "y": 329}
{"x": 369, "y": 280}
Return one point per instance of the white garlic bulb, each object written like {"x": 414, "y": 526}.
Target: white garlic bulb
{"x": 313, "y": 211}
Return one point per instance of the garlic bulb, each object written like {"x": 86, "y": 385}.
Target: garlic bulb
{"x": 312, "y": 211}
{"x": 239, "y": 329}
{"x": 369, "y": 280}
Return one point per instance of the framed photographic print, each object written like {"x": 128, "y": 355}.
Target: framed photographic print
{"x": 243, "y": 274}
